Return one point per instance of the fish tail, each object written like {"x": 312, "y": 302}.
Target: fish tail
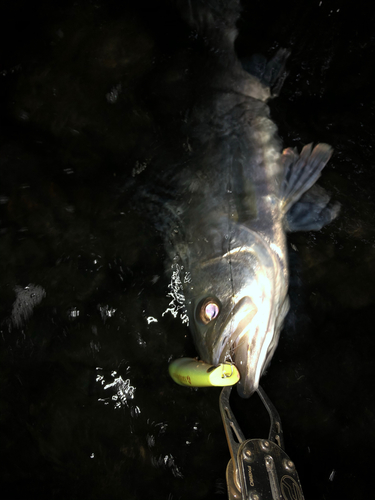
{"x": 214, "y": 20}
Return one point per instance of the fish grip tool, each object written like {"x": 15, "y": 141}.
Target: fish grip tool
{"x": 259, "y": 469}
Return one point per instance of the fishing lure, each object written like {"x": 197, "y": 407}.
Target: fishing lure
{"x": 192, "y": 372}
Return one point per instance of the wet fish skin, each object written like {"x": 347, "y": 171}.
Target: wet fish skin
{"x": 234, "y": 198}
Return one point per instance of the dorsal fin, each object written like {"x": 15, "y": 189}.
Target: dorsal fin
{"x": 272, "y": 73}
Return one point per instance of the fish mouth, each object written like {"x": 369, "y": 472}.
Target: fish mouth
{"x": 244, "y": 342}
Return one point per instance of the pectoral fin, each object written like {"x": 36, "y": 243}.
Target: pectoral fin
{"x": 307, "y": 207}
{"x": 271, "y": 73}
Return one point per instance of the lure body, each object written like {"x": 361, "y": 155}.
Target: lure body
{"x": 194, "y": 373}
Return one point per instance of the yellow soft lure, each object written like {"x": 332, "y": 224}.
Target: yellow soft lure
{"x": 193, "y": 373}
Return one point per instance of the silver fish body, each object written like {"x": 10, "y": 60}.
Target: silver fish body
{"x": 235, "y": 197}
{"x": 234, "y": 243}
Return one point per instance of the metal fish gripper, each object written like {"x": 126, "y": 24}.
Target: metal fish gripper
{"x": 259, "y": 468}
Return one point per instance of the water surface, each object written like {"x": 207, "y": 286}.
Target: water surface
{"x": 91, "y": 97}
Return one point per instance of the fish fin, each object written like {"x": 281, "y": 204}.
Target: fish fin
{"x": 215, "y": 20}
{"x": 302, "y": 171}
{"x": 307, "y": 207}
{"x": 312, "y": 211}
{"x": 270, "y": 73}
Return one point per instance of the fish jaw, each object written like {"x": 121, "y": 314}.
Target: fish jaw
{"x": 248, "y": 339}
{"x": 251, "y": 358}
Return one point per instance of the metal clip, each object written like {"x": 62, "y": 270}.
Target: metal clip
{"x": 259, "y": 469}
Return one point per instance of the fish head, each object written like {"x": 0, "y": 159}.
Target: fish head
{"x": 236, "y": 304}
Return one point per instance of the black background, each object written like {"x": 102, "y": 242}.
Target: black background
{"x": 91, "y": 91}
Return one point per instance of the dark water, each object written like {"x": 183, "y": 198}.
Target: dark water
{"x": 91, "y": 96}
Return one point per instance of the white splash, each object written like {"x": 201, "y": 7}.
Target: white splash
{"x": 177, "y": 304}
{"x": 73, "y": 312}
{"x": 106, "y": 312}
{"x": 121, "y": 389}
{"x": 187, "y": 278}
{"x": 167, "y": 462}
{"x": 151, "y": 319}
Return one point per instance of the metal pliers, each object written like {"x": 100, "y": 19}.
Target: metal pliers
{"x": 259, "y": 468}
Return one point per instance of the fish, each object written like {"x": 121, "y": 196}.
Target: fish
{"x": 230, "y": 202}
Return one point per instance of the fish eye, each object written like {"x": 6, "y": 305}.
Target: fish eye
{"x": 208, "y": 310}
